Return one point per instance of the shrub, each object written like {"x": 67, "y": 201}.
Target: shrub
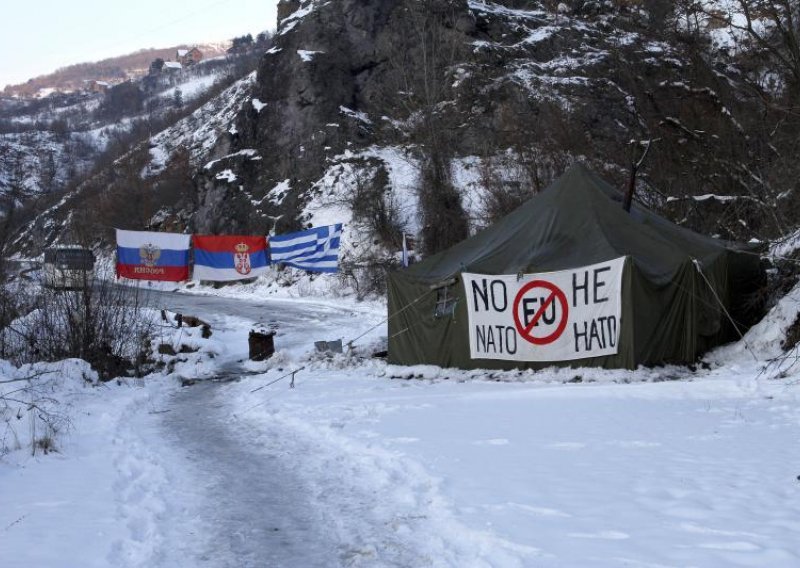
{"x": 104, "y": 324}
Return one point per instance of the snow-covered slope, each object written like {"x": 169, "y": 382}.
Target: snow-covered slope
{"x": 48, "y": 144}
{"x": 199, "y": 132}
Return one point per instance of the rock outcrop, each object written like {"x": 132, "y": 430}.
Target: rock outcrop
{"x": 476, "y": 79}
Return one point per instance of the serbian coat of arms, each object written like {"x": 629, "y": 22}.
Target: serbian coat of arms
{"x": 149, "y": 254}
{"x": 241, "y": 259}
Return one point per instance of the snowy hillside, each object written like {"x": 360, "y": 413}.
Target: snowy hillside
{"x": 522, "y": 92}
{"x": 99, "y": 133}
{"x": 51, "y": 145}
{"x": 342, "y": 117}
{"x": 199, "y": 131}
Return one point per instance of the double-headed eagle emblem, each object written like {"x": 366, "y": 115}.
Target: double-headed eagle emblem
{"x": 242, "y": 259}
{"x": 149, "y": 254}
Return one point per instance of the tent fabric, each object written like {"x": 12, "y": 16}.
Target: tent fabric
{"x": 670, "y": 313}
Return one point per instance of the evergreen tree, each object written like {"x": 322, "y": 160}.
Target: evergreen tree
{"x": 177, "y": 99}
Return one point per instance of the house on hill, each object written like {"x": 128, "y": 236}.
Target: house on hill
{"x": 188, "y": 56}
{"x": 172, "y": 66}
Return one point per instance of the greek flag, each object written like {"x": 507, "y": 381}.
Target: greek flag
{"x": 314, "y": 250}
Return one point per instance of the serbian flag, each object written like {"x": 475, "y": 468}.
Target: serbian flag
{"x": 145, "y": 255}
{"x": 224, "y": 258}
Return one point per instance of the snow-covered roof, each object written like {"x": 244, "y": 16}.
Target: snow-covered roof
{"x": 173, "y": 65}
{"x": 182, "y": 52}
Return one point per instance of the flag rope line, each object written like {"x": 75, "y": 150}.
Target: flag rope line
{"x": 291, "y": 384}
{"x": 420, "y": 322}
{"x": 390, "y": 316}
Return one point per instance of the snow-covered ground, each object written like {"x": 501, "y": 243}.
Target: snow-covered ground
{"x": 360, "y": 465}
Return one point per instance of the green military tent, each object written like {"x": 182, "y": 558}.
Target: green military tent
{"x": 570, "y": 278}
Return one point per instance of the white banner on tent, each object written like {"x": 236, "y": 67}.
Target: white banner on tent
{"x": 552, "y": 316}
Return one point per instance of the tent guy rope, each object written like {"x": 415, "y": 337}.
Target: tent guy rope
{"x": 724, "y": 309}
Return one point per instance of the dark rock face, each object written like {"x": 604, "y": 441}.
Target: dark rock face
{"x": 286, "y": 8}
{"x": 325, "y": 87}
{"x": 327, "y": 65}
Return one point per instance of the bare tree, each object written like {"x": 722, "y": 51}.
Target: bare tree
{"x": 767, "y": 36}
{"x": 422, "y": 77}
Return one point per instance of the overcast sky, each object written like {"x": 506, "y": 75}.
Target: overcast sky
{"x": 39, "y": 36}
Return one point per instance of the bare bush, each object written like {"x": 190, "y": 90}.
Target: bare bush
{"x": 373, "y": 205}
{"x": 366, "y": 276}
{"x": 33, "y": 412}
{"x": 511, "y": 179}
{"x": 104, "y": 324}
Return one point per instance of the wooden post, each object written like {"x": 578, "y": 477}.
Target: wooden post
{"x": 627, "y": 198}
{"x": 261, "y": 344}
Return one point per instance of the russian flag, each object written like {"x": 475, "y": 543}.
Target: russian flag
{"x": 224, "y": 258}
{"x": 146, "y": 255}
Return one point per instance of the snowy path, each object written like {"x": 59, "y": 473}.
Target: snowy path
{"x": 250, "y": 510}
{"x": 299, "y": 323}
{"x": 234, "y": 500}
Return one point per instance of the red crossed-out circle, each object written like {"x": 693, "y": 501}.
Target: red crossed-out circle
{"x": 555, "y": 294}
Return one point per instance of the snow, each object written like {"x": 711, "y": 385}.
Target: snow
{"x": 785, "y": 246}
{"x": 306, "y": 55}
{"x": 707, "y": 197}
{"x": 199, "y": 131}
{"x": 227, "y": 175}
{"x": 246, "y": 152}
{"x": 403, "y": 170}
{"x": 482, "y": 6}
{"x": 359, "y": 116}
{"x": 258, "y": 105}
{"x": 191, "y": 88}
{"x": 467, "y": 177}
{"x": 277, "y": 194}
{"x": 362, "y": 464}
{"x": 288, "y": 23}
